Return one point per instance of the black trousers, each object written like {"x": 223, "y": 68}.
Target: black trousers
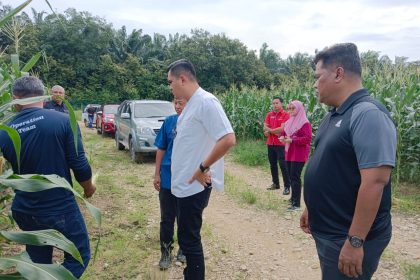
{"x": 190, "y": 219}
{"x": 168, "y": 214}
{"x": 276, "y": 154}
{"x": 294, "y": 169}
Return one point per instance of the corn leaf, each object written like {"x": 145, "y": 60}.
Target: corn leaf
{"x": 34, "y": 271}
{"x": 14, "y": 136}
{"x": 14, "y": 12}
{"x": 43, "y": 238}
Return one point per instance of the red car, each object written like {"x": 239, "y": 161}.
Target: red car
{"x": 105, "y": 119}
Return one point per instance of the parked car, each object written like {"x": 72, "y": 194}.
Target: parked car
{"x": 105, "y": 119}
{"x": 85, "y": 118}
{"x": 137, "y": 123}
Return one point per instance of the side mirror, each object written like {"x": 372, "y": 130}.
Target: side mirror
{"x": 125, "y": 115}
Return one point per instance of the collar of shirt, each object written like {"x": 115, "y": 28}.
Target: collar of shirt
{"x": 350, "y": 101}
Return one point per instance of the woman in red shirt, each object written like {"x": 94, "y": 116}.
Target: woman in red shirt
{"x": 297, "y": 135}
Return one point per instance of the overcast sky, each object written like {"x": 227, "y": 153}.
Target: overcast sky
{"x": 389, "y": 26}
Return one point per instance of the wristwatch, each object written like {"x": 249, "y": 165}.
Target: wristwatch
{"x": 355, "y": 241}
{"x": 203, "y": 168}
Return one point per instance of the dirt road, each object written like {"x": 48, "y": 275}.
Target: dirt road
{"x": 243, "y": 242}
{"x": 240, "y": 240}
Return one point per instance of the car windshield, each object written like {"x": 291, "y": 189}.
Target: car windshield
{"x": 153, "y": 110}
{"x": 110, "y": 109}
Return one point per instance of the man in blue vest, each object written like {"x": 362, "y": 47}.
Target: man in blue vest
{"x": 162, "y": 183}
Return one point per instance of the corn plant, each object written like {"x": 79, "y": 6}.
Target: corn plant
{"x": 22, "y": 265}
{"x": 397, "y": 86}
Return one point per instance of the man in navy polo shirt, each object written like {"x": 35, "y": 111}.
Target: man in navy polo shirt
{"x": 48, "y": 148}
{"x": 162, "y": 183}
{"x": 58, "y": 94}
{"x": 347, "y": 187}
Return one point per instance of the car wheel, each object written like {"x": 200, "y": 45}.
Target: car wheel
{"x": 136, "y": 157}
{"x": 119, "y": 146}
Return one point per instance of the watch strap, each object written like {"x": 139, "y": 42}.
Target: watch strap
{"x": 203, "y": 168}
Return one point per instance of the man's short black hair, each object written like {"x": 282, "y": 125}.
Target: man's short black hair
{"x": 28, "y": 86}
{"x": 279, "y": 98}
{"x": 341, "y": 55}
{"x": 182, "y": 66}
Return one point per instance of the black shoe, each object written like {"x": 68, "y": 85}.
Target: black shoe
{"x": 273, "y": 187}
{"x": 181, "y": 257}
{"x": 286, "y": 191}
{"x": 293, "y": 208}
{"x": 166, "y": 258}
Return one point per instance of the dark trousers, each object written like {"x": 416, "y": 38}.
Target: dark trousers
{"x": 90, "y": 121}
{"x": 294, "y": 169}
{"x": 71, "y": 225}
{"x": 168, "y": 214}
{"x": 276, "y": 154}
{"x": 329, "y": 251}
{"x": 190, "y": 219}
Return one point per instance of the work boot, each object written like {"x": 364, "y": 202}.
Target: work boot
{"x": 180, "y": 256}
{"x": 166, "y": 258}
{"x": 286, "y": 191}
{"x": 273, "y": 187}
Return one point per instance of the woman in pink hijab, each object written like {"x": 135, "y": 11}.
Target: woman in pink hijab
{"x": 297, "y": 135}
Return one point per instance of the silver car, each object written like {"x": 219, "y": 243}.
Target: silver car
{"x": 137, "y": 123}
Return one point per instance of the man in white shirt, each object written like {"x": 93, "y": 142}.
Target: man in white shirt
{"x": 203, "y": 136}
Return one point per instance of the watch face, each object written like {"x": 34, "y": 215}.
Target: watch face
{"x": 356, "y": 242}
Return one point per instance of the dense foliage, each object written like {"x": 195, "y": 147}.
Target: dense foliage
{"x": 99, "y": 64}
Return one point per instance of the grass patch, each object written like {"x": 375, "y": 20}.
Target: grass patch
{"x": 407, "y": 199}
{"x": 251, "y": 153}
{"x": 412, "y": 271}
{"x": 238, "y": 189}
{"x": 254, "y": 153}
{"x": 78, "y": 114}
{"x": 249, "y": 196}
{"x": 130, "y": 228}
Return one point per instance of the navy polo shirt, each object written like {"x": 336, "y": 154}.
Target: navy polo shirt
{"x": 47, "y": 148}
{"x": 164, "y": 141}
{"x": 52, "y": 105}
{"x": 358, "y": 135}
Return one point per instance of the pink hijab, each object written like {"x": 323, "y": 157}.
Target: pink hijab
{"x": 295, "y": 123}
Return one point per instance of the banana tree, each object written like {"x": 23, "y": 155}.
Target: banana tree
{"x": 21, "y": 265}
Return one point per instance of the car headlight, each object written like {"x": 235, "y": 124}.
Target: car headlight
{"x": 109, "y": 120}
{"x": 145, "y": 130}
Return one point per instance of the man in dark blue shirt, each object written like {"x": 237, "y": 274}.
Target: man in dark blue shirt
{"x": 347, "y": 187}
{"x": 48, "y": 148}
{"x": 162, "y": 183}
{"x": 57, "y": 103}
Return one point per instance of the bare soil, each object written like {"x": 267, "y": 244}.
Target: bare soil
{"x": 243, "y": 242}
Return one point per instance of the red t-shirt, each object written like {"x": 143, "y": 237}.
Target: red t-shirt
{"x": 274, "y": 120}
